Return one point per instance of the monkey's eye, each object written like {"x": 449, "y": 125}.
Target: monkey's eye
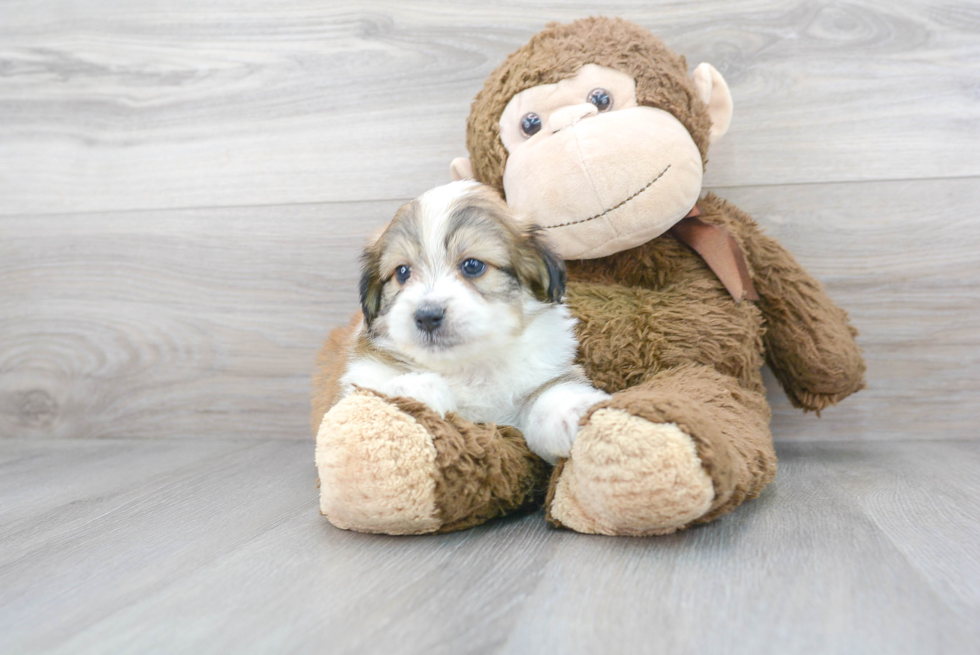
{"x": 530, "y": 124}
{"x": 472, "y": 267}
{"x": 402, "y": 273}
{"x": 601, "y": 99}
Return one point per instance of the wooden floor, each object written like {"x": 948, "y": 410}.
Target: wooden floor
{"x": 136, "y": 546}
{"x": 184, "y": 188}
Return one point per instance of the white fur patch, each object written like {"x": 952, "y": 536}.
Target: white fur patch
{"x": 429, "y": 388}
{"x": 552, "y": 422}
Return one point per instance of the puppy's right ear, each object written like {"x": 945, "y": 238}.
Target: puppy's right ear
{"x": 371, "y": 283}
{"x": 541, "y": 268}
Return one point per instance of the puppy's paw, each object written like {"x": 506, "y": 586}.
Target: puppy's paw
{"x": 553, "y": 421}
{"x": 429, "y": 388}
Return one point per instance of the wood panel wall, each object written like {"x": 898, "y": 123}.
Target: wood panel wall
{"x": 184, "y": 187}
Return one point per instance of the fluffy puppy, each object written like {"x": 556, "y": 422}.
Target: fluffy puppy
{"x": 462, "y": 311}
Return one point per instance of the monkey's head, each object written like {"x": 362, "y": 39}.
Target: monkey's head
{"x": 595, "y": 131}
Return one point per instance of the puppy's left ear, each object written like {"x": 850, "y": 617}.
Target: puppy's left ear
{"x": 540, "y": 268}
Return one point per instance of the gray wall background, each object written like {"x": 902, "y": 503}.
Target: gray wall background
{"x": 184, "y": 188}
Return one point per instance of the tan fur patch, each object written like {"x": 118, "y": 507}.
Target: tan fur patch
{"x": 331, "y": 364}
{"x": 399, "y": 243}
{"x": 627, "y": 476}
{"x": 484, "y": 228}
{"x": 402, "y": 242}
{"x": 385, "y": 484}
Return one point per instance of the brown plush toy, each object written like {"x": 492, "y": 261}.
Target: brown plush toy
{"x": 596, "y": 131}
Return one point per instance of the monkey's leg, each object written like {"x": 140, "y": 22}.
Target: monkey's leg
{"x": 394, "y": 466}
{"x": 684, "y": 447}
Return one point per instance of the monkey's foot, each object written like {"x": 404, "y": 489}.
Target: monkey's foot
{"x": 629, "y": 476}
{"x": 394, "y": 466}
{"x": 377, "y": 468}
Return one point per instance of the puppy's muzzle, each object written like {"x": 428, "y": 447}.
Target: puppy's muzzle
{"x": 429, "y": 318}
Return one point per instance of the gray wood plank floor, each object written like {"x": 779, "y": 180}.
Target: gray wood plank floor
{"x": 217, "y": 546}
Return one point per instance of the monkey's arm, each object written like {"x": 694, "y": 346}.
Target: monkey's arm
{"x": 809, "y": 341}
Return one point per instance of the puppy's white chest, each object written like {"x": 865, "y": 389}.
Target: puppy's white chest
{"x": 487, "y": 403}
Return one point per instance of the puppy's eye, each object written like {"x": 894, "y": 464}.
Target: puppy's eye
{"x": 530, "y": 124}
{"x": 601, "y": 99}
{"x": 472, "y": 267}
{"x": 402, "y": 273}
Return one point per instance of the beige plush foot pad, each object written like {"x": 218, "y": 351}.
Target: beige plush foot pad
{"x": 628, "y": 476}
{"x": 377, "y": 467}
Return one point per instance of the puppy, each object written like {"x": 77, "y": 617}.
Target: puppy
{"x": 462, "y": 311}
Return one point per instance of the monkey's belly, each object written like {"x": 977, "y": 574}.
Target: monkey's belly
{"x": 627, "y": 334}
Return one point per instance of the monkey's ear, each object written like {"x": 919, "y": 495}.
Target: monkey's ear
{"x": 461, "y": 169}
{"x": 714, "y": 92}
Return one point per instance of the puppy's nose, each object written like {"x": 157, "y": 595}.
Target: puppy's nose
{"x": 428, "y": 319}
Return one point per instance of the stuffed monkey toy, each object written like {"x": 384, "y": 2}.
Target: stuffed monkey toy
{"x": 595, "y": 131}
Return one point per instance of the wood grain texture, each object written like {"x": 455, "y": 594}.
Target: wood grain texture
{"x": 204, "y": 323}
{"x": 218, "y": 547}
{"x": 190, "y": 323}
{"x": 147, "y": 104}
{"x": 900, "y": 257}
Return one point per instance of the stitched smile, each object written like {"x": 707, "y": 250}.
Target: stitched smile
{"x": 601, "y": 214}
